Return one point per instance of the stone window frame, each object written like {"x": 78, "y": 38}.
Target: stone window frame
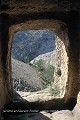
{"x": 70, "y": 95}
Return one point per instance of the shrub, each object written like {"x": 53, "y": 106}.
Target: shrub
{"x": 53, "y": 90}
{"x": 26, "y": 59}
{"x": 38, "y": 65}
{"x": 46, "y": 74}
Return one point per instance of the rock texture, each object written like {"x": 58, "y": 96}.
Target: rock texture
{"x": 78, "y": 99}
{"x": 32, "y": 15}
{"x": 25, "y": 78}
{"x": 48, "y": 58}
{"x": 32, "y": 43}
{"x": 38, "y": 6}
{"x": 61, "y": 63}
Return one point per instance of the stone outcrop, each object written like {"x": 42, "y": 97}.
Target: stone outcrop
{"x": 61, "y": 70}
{"x": 48, "y": 58}
{"x": 25, "y": 77}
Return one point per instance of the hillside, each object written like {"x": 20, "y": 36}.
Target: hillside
{"x": 24, "y": 77}
{"x": 32, "y": 43}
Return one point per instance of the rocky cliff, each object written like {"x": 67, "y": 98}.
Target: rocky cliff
{"x": 32, "y": 43}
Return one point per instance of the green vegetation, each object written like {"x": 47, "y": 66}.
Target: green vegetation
{"x": 26, "y": 59}
{"x": 53, "y": 90}
{"x": 46, "y": 74}
{"x": 38, "y": 65}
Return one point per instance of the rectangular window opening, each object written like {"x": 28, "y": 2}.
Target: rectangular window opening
{"x": 36, "y": 64}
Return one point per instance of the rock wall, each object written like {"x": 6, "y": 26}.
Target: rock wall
{"x": 31, "y": 13}
{"x": 2, "y": 85}
{"x": 32, "y": 43}
{"x": 61, "y": 71}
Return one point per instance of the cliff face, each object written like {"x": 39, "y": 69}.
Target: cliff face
{"x": 32, "y": 43}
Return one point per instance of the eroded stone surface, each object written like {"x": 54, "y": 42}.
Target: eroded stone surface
{"x": 25, "y": 77}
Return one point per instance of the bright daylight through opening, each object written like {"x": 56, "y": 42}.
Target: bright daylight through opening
{"x": 38, "y": 64}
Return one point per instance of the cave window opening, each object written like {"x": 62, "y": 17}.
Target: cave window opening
{"x": 34, "y": 57}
